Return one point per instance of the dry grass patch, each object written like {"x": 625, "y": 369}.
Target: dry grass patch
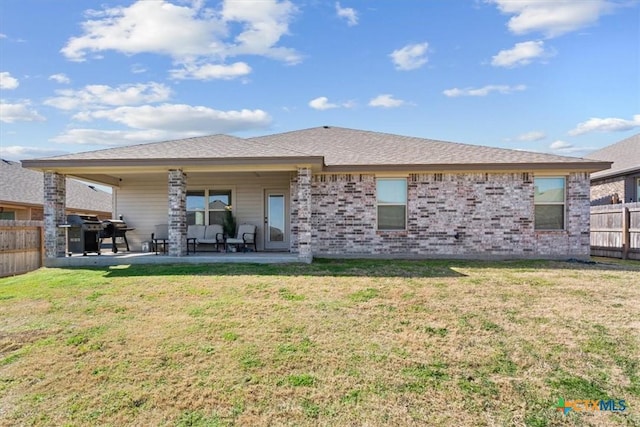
{"x": 332, "y": 343}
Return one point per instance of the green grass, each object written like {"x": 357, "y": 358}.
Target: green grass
{"x": 301, "y": 380}
{"x": 356, "y": 342}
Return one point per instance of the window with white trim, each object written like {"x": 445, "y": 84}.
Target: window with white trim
{"x": 550, "y": 203}
{"x": 206, "y": 207}
{"x": 392, "y": 203}
{"x": 219, "y": 203}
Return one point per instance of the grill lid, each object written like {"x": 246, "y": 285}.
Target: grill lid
{"x": 117, "y": 223}
{"x": 76, "y": 219}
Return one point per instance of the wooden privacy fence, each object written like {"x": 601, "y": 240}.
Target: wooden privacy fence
{"x": 615, "y": 231}
{"x": 21, "y": 246}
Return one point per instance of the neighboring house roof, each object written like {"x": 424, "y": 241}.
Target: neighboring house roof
{"x": 22, "y": 186}
{"x": 327, "y": 148}
{"x": 624, "y": 154}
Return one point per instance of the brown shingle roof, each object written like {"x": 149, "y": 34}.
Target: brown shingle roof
{"x": 340, "y": 148}
{"x": 213, "y": 146}
{"x": 24, "y": 186}
{"x": 624, "y": 154}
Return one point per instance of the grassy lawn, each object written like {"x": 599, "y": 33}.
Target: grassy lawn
{"x": 334, "y": 343}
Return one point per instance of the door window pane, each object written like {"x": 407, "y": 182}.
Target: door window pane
{"x": 276, "y": 218}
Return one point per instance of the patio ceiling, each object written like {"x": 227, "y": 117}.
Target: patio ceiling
{"x": 110, "y": 171}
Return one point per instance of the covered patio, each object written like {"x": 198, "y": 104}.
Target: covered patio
{"x": 180, "y": 183}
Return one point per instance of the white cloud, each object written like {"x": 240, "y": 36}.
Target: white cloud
{"x": 520, "y": 54}
{"x": 606, "y": 125}
{"x": 483, "y": 91}
{"x": 350, "y": 104}
{"x": 138, "y": 69}
{"x": 386, "y": 101}
{"x": 551, "y": 18}
{"x": 560, "y": 145}
{"x": 8, "y": 82}
{"x": 116, "y": 137}
{"x": 212, "y": 71}
{"x": 410, "y": 57}
{"x": 17, "y": 152}
{"x": 187, "y": 33}
{"x": 3, "y": 36}
{"x": 566, "y": 148}
{"x": 164, "y": 122}
{"x": 181, "y": 118}
{"x": 264, "y": 22}
{"x": 322, "y": 103}
{"x": 60, "y": 78}
{"x": 531, "y": 136}
{"x": 348, "y": 13}
{"x": 94, "y": 96}
{"x": 146, "y": 27}
{"x": 21, "y": 112}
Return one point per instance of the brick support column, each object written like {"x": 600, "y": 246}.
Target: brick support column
{"x": 177, "y": 212}
{"x": 54, "y": 215}
{"x": 579, "y": 214}
{"x": 305, "y": 253}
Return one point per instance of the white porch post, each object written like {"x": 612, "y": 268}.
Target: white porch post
{"x": 54, "y": 215}
{"x": 177, "y": 212}
{"x": 305, "y": 253}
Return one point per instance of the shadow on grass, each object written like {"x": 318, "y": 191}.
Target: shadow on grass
{"x": 360, "y": 268}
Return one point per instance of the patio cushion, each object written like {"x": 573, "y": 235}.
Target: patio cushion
{"x": 246, "y": 234}
{"x": 212, "y": 234}
{"x": 195, "y": 231}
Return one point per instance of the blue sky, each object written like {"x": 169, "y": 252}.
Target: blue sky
{"x": 558, "y": 76}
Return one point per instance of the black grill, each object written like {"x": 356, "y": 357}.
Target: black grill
{"x": 83, "y": 234}
{"x": 112, "y": 229}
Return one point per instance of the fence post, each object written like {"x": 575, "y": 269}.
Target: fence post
{"x": 626, "y": 235}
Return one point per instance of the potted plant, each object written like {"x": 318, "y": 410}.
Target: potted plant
{"x": 229, "y": 224}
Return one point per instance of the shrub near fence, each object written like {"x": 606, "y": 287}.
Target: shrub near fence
{"x": 615, "y": 231}
{"x": 21, "y": 246}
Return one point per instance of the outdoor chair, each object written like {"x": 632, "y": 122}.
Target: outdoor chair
{"x": 160, "y": 237}
{"x": 213, "y": 235}
{"x": 245, "y": 237}
{"x": 194, "y": 233}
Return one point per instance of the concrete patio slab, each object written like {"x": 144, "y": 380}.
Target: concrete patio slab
{"x": 110, "y": 259}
